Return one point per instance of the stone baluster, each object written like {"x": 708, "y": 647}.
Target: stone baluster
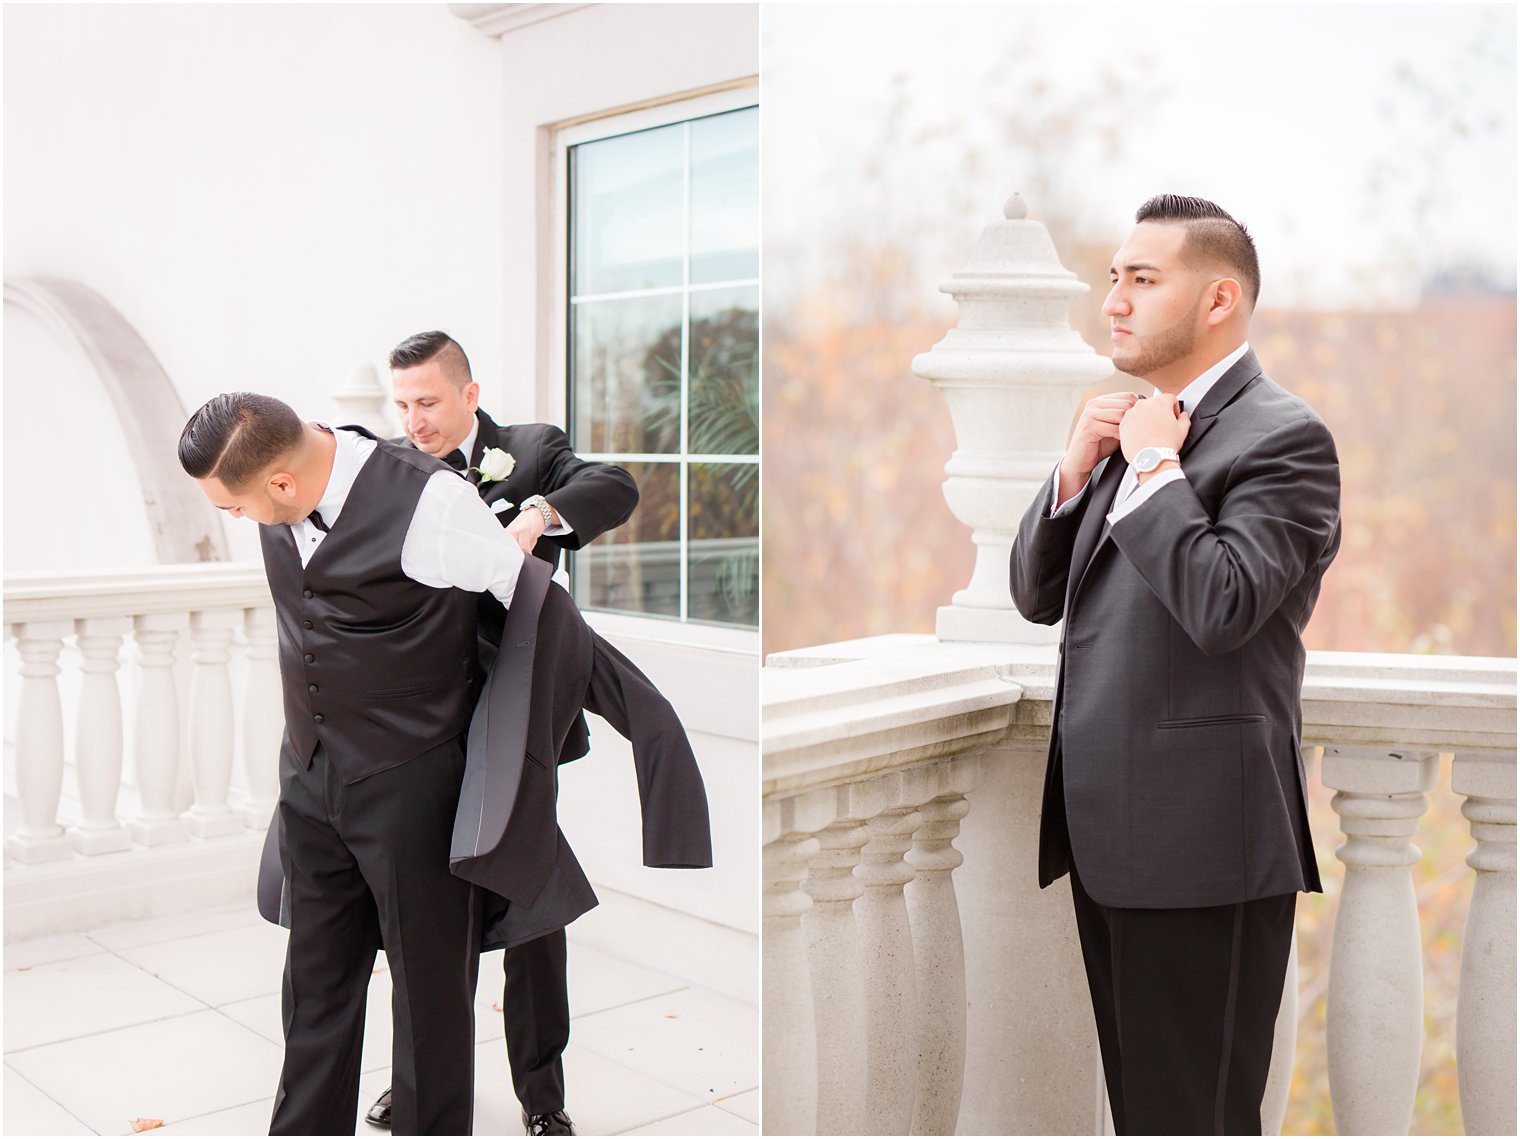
{"x": 1486, "y": 998}
{"x": 263, "y": 719}
{"x": 939, "y": 956}
{"x": 211, "y": 724}
{"x": 155, "y": 744}
{"x": 886, "y": 946}
{"x": 838, "y": 987}
{"x": 97, "y": 737}
{"x": 1374, "y": 1014}
{"x": 1011, "y": 371}
{"x": 365, "y": 401}
{"x": 1274, "y": 1100}
{"x": 790, "y": 1097}
{"x": 39, "y": 743}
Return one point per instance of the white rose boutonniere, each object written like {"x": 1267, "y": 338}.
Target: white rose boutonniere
{"x": 495, "y": 465}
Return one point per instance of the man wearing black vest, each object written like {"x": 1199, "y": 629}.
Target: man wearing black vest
{"x": 548, "y": 499}
{"x": 1182, "y": 538}
{"x": 374, "y": 554}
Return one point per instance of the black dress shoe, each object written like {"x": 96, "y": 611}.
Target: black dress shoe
{"x": 379, "y": 1112}
{"x": 555, "y": 1123}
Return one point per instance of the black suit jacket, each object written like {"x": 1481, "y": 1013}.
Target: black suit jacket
{"x": 1175, "y": 747}
{"x": 595, "y": 497}
{"x": 506, "y": 838}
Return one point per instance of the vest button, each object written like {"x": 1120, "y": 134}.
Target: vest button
{"x": 317, "y": 719}
{"x": 311, "y": 688}
{"x": 310, "y": 659}
{"x": 307, "y": 593}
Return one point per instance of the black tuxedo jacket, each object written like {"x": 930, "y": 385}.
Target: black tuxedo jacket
{"x": 1175, "y": 745}
{"x": 595, "y": 497}
{"x": 506, "y": 838}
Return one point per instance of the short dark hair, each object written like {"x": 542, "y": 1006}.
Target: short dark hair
{"x": 236, "y": 436}
{"x": 425, "y": 346}
{"x": 1212, "y": 235}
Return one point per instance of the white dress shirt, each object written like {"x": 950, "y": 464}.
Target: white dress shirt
{"x": 1131, "y": 494}
{"x": 453, "y": 539}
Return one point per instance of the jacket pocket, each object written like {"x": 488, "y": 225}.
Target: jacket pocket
{"x": 1212, "y": 721}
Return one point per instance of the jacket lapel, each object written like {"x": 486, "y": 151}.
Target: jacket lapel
{"x": 1094, "y": 529}
{"x": 1220, "y": 396}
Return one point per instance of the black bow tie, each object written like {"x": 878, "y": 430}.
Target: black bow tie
{"x": 456, "y": 459}
{"x": 316, "y": 520}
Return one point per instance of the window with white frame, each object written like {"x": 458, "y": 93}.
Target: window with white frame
{"x": 662, "y": 356}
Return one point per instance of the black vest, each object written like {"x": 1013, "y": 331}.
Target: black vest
{"x": 375, "y": 666}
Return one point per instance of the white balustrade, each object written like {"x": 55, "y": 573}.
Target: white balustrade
{"x": 156, "y": 739}
{"x": 790, "y": 1096}
{"x": 39, "y": 743}
{"x": 97, "y": 737}
{"x": 211, "y": 726}
{"x": 87, "y": 799}
{"x": 939, "y": 955}
{"x": 886, "y": 954}
{"x": 263, "y": 719}
{"x": 1486, "y": 998}
{"x": 835, "y": 973}
{"x": 1374, "y": 1016}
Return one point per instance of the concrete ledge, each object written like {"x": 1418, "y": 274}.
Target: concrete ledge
{"x": 133, "y": 885}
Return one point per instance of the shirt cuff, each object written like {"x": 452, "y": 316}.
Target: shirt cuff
{"x": 1071, "y": 503}
{"x": 1143, "y": 492}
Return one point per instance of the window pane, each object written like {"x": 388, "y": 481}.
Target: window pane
{"x": 637, "y": 567}
{"x": 724, "y": 388}
{"x": 628, "y": 223}
{"x": 725, "y": 197}
{"x": 625, "y": 375}
{"x": 723, "y": 532}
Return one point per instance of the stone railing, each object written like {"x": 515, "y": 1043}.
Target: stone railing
{"x": 918, "y": 982}
{"x": 96, "y": 776}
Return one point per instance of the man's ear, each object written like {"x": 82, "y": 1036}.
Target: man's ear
{"x": 1225, "y": 297}
{"x": 281, "y": 485}
{"x": 472, "y": 395}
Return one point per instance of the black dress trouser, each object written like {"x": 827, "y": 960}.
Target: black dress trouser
{"x": 1186, "y": 1005}
{"x": 535, "y": 1007}
{"x": 368, "y": 868}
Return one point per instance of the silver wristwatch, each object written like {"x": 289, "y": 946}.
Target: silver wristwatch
{"x": 541, "y": 504}
{"x": 1148, "y": 459}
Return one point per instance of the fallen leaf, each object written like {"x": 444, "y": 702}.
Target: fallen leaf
{"x": 672, "y": 1016}
{"x": 141, "y": 1124}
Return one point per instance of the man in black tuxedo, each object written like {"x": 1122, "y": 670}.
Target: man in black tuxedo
{"x": 1182, "y": 537}
{"x": 374, "y": 553}
{"x": 548, "y": 499}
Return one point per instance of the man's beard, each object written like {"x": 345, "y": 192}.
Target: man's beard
{"x": 1164, "y": 348}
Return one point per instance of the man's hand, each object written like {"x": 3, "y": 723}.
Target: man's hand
{"x": 1095, "y": 438}
{"x": 1154, "y": 422}
{"x": 526, "y": 529}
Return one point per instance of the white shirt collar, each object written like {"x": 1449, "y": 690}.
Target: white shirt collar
{"x": 349, "y": 452}
{"x": 1192, "y": 395}
{"x": 468, "y": 446}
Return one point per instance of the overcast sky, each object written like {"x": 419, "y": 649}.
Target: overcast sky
{"x": 1367, "y": 146}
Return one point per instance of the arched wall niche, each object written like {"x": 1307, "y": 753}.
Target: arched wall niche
{"x": 91, "y": 429}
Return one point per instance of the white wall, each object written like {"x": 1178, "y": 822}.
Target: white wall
{"x": 271, "y": 194}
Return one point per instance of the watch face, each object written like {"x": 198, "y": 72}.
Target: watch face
{"x": 1147, "y": 460}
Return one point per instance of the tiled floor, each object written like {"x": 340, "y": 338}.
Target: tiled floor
{"x": 179, "y": 1019}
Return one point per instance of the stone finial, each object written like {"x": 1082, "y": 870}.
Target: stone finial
{"x": 1012, "y": 370}
{"x": 363, "y": 401}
